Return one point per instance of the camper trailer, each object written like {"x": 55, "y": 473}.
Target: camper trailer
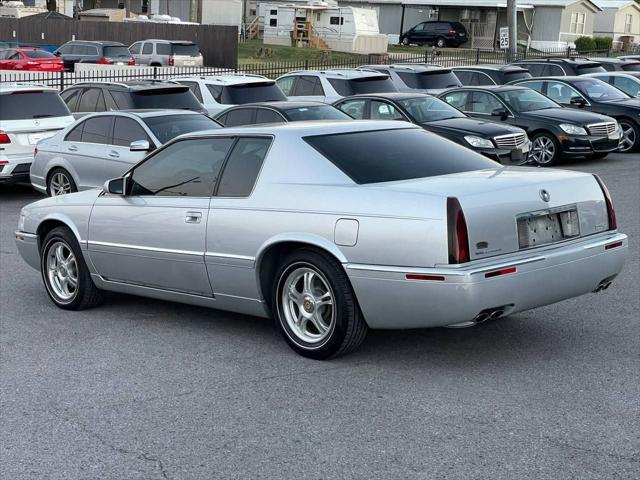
{"x": 322, "y": 25}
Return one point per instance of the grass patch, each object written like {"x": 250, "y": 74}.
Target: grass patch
{"x": 249, "y": 53}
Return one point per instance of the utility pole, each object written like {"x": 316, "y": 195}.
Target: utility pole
{"x": 512, "y": 23}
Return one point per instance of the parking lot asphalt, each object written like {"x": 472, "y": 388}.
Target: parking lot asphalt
{"x": 145, "y": 389}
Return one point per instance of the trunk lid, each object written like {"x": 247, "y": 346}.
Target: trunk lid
{"x": 25, "y": 134}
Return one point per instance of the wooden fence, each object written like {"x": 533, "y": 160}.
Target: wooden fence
{"x": 218, "y": 43}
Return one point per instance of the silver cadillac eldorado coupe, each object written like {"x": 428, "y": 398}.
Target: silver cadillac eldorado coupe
{"x": 331, "y": 229}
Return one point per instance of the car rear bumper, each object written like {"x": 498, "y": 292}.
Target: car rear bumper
{"x": 450, "y": 295}
{"x": 16, "y": 170}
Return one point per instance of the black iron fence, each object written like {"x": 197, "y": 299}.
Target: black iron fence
{"x": 444, "y": 57}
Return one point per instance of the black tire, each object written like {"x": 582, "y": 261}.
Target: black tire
{"x": 548, "y": 139}
{"x": 441, "y": 42}
{"x": 85, "y": 294}
{"x": 635, "y": 131}
{"x": 54, "y": 175}
{"x": 405, "y": 41}
{"x": 347, "y": 329}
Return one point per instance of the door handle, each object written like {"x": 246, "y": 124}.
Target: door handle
{"x": 193, "y": 217}
{"x": 73, "y": 148}
{"x": 113, "y": 154}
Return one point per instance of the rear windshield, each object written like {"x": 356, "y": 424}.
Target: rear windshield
{"x": 251, "y": 93}
{"x": 167, "y": 127}
{"x": 430, "y": 80}
{"x": 114, "y": 52}
{"x": 590, "y": 68}
{"x": 355, "y": 86}
{"x": 31, "y": 105}
{"x": 38, "y": 54}
{"x": 176, "y": 98}
{"x": 516, "y": 75}
{"x": 320, "y": 112}
{"x": 185, "y": 49}
{"x": 631, "y": 67}
{"x": 391, "y": 155}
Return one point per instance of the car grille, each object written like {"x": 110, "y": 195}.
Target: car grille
{"x": 513, "y": 140}
{"x": 605, "y": 128}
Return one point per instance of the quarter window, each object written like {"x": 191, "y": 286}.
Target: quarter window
{"x": 70, "y": 97}
{"x": 188, "y": 168}
{"x": 75, "y": 135}
{"x": 243, "y": 167}
{"x": 308, "y": 85}
{"x": 264, "y": 115}
{"x": 135, "y": 48}
{"x": 457, "y": 99}
{"x": 240, "y": 116}
{"x": 127, "y": 130}
{"x": 97, "y": 130}
{"x": 354, "y": 108}
{"x": 286, "y": 84}
{"x": 92, "y": 101}
{"x": 195, "y": 88}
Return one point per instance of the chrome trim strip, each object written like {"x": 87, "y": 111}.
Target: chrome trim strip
{"x": 230, "y": 255}
{"x": 146, "y": 249}
{"x": 25, "y": 234}
{"x": 614, "y": 238}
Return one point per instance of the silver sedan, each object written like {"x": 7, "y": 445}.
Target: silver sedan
{"x": 330, "y": 228}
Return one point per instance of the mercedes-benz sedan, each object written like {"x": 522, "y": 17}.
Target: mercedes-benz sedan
{"x": 331, "y": 228}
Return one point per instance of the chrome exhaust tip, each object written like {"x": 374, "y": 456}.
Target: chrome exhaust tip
{"x": 481, "y": 317}
{"x": 496, "y": 314}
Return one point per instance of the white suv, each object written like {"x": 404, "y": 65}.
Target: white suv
{"x": 28, "y": 114}
{"x": 219, "y": 92}
{"x": 329, "y": 86}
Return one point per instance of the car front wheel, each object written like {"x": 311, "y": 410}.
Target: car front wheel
{"x": 440, "y": 43}
{"x": 405, "y": 41}
{"x": 545, "y": 149}
{"x": 630, "y": 136}
{"x": 315, "y": 307}
{"x": 65, "y": 272}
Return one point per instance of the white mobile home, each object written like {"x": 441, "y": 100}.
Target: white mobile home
{"x": 322, "y": 25}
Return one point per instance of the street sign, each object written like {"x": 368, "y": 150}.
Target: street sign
{"x": 504, "y": 37}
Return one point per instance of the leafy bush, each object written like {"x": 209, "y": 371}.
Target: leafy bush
{"x": 584, "y": 44}
{"x": 603, "y": 43}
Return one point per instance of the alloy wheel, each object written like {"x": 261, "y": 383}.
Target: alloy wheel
{"x": 60, "y": 184}
{"x": 543, "y": 150}
{"x": 62, "y": 271}
{"x": 628, "y": 137}
{"x": 307, "y": 303}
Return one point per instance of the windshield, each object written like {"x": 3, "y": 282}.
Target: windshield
{"x": 167, "y": 127}
{"x": 38, "y": 54}
{"x": 429, "y": 109}
{"x": 355, "y": 86}
{"x": 526, "y": 100}
{"x": 166, "y": 98}
{"x": 320, "y": 112}
{"x": 114, "y": 52}
{"x": 190, "y": 49}
{"x": 430, "y": 80}
{"x": 598, "y": 90}
{"x": 391, "y": 155}
{"x": 32, "y": 105}
{"x": 251, "y": 93}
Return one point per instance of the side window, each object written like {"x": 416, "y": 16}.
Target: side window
{"x": 135, "y": 48}
{"x": 122, "y": 99}
{"x": 75, "y": 135}
{"x": 384, "y": 111}
{"x": 307, "y": 85}
{"x": 628, "y": 86}
{"x": 537, "y": 85}
{"x": 264, "y": 115}
{"x": 92, "y": 101}
{"x": 609, "y": 67}
{"x": 163, "y": 49}
{"x": 485, "y": 103}
{"x": 553, "y": 71}
{"x": 561, "y": 92}
{"x": 419, "y": 27}
{"x": 97, "y": 130}
{"x": 535, "y": 69}
{"x": 240, "y": 116}
{"x": 110, "y": 103}
{"x": 457, "y": 99}
{"x": 215, "y": 91}
{"x": 195, "y": 88}
{"x": 185, "y": 168}
{"x": 484, "y": 79}
{"x": 354, "y": 108}
{"x": 286, "y": 84}
{"x": 127, "y": 130}
{"x": 465, "y": 76}
{"x": 147, "y": 49}
{"x": 70, "y": 97}
{"x": 243, "y": 167}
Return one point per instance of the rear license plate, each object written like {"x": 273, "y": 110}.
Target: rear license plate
{"x": 541, "y": 228}
{"x": 189, "y": 63}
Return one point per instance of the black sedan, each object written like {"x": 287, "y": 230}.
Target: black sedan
{"x": 555, "y": 132}
{"x": 278, "y": 112}
{"x": 504, "y": 143}
{"x": 594, "y": 95}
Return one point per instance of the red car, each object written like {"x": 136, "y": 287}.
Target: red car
{"x": 30, "y": 59}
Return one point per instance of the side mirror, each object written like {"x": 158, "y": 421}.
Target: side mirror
{"x": 57, "y": 54}
{"x": 115, "y": 186}
{"x": 140, "y": 146}
{"x": 579, "y": 101}
{"x": 500, "y": 112}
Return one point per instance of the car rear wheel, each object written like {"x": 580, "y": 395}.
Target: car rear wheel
{"x": 60, "y": 183}
{"x": 630, "y": 136}
{"x": 545, "y": 149}
{"x": 441, "y": 42}
{"x": 315, "y": 307}
{"x": 65, "y": 273}
{"x": 405, "y": 41}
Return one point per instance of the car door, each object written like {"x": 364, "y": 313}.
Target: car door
{"x": 84, "y": 148}
{"x": 119, "y": 158}
{"x": 146, "y": 53}
{"x": 135, "y": 51}
{"x": 154, "y": 235}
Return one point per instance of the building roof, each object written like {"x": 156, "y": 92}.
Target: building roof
{"x": 522, "y": 4}
{"x": 606, "y": 4}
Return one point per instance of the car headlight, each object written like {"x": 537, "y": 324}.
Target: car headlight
{"x": 573, "y": 129}
{"x": 478, "y": 142}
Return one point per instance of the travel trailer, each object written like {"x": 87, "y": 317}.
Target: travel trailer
{"x": 322, "y": 25}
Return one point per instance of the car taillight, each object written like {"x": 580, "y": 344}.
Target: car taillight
{"x": 131, "y": 62}
{"x": 104, "y": 61}
{"x": 4, "y": 137}
{"x": 171, "y": 60}
{"x": 611, "y": 213}
{"x": 452, "y": 32}
{"x": 457, "y": 232}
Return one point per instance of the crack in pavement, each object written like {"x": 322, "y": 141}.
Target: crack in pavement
{"x": 561, "y": 443}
